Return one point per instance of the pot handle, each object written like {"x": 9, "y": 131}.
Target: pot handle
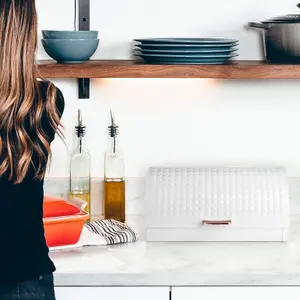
{"x": 298, "y": 5}
{"x": 258, "y": 25}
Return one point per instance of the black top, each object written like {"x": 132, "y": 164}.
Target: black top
{"x": 23, "y": 249}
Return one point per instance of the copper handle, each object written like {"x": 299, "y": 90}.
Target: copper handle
{"x": 209, "y": 222}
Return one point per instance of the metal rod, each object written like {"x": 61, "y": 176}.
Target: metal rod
{"x": 84, "y": 88}
{"x": 83, "y": 24}
{"x": 84, "y": 14}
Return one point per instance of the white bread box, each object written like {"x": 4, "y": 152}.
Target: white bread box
{"x": 217, "y": 204}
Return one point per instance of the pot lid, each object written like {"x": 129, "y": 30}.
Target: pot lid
{"x": 284, "y": 19}
{"x": 291, "y": 18}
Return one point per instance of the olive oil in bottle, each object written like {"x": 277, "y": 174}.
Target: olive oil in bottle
{"x": 114, "y": 182}
{"x": 80, "y": 168}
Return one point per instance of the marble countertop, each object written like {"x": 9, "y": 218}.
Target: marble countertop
{"x": 182, "y": 264}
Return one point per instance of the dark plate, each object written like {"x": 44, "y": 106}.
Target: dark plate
{"x": 185, "y": 56}
{"x": 186, "y": 41}
{"x": 185, "y": 46}
{"x": 186, "y": 51}
{"x": 187, "y": 61}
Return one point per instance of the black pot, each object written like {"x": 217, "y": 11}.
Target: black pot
{"x": 281, "y": 37}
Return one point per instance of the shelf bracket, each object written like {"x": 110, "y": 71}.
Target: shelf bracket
{"x": 84, "y": 24}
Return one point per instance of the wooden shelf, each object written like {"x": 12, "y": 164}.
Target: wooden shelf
{"x": 131, "y": 69}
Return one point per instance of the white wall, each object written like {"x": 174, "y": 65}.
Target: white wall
{"x": 162, "y": 121}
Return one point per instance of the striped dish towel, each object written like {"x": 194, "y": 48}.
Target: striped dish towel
{"x": 112, "y": 231}
{"x": 101, "y": 233}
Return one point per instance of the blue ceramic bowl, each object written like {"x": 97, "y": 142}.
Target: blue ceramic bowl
{"x": 70, "y": 50}
{"x": 69, "y": 34}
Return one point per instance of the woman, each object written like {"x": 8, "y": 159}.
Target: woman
{"x": 30, "y": 112}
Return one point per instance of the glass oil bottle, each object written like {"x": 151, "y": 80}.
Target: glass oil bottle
{"x": 114, "y": 181}
{"x": 80, "y": 168}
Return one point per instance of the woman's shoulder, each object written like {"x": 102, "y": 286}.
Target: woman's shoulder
{"x": 60, "y": 102}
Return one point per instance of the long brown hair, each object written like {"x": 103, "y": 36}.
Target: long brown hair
{"x": 22, "y": 105}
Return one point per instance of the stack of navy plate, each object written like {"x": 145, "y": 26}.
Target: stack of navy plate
{"x": 185, "y": 50}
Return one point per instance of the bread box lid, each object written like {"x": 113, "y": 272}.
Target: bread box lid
{"x": 180, "y": 197}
